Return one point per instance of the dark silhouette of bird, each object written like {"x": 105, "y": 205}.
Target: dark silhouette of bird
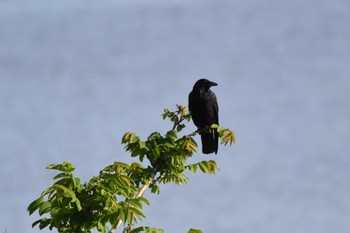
{"x": 204, "y": 111}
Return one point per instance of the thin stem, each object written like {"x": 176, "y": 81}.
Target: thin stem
{"x": 139, "y": 194}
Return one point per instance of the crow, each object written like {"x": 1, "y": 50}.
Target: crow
{"x": 204, "y": 111}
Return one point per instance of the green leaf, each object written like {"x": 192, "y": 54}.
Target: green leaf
{"x": 180, "y": 127}
{"x": 156, "y": 150}
{"x": 155, "y": 189}
{"x": 192, "y": 167}
{"x": 45, "y": 207}
{"x": 49, "y": 191}
{"x": 126, "y": 137}
{"x": 144, "y": 200}
{"x": 44, "y": 222}
{"x": 172, "y": 134}
{"x": 194, "y": 231}
{"x": 70, "y": 193}
{"x": 204, "y": 166}
{"x": 122, "y": 214}
{"x": 35, "y": 205}
{"x": 76, "y": 182}
{"x": 143, "y": 145}
{"x": 137, "y": 212}
{"x": 213, "y": 166}
{"x": 135, "y": 202}
{"x": 60, "y": 175}
{"x": 65, "y": 167}
{"x": 153, "y": 136}
{"x": 217, "y": 127}
{"x": 227, "y": 136}
{"x": 101, "y": 227}
{"x": 120, "y": 167}
{"x": 190, "y": 145}
{"x": 166, "y": 113}
{"x": 169, "y": 145}
{"x": 135, "y": 152}
{"x": 134, "y": 138}
{"x": 36, "y": 222}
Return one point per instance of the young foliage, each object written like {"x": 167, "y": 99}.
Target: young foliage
{"x": 226, "y": 135}
{"x": 115, "y": 196}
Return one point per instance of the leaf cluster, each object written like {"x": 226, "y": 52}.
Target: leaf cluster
{"x": 226, "y": 135}
{"x": 76, "y": 207}
{"x": 115, "y": 196}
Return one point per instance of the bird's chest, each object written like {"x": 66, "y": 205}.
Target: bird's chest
{"x": 202, "y": 105}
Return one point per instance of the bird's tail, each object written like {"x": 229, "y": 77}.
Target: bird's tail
{"x": 209, "y": 142}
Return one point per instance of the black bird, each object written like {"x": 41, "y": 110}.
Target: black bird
{"x": 204, "y": 111}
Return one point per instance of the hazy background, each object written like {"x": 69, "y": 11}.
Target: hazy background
{"x": 76, "y": 75}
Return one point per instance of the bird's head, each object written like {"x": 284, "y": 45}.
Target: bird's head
{"x": 203, "y": 84}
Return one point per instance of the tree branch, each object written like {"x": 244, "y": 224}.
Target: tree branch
{"x": 178, "y": 121}
{"x": 139, "y": 194}
{"x": 193, "y": 133}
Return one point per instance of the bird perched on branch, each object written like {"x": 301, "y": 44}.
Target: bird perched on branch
{"x": 204, "y": 111}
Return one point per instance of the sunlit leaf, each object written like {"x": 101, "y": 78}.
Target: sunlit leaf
{"x": 228, "y": 137}
{"x": 144, "y": 200}
{"x": 143, "y": 145}
{"x": 71, "y": 194}
{"x": 65, "y": 167}
{"x": 134, "y": 138}
{"x": 60, "y": 175}
{"x": 172, "y": 134}
{"x": 190, "y": 144}
{"x": 101, "y": 227}
{"x": 204, "y": 166}
{"x": 135, "y": 202}
{"x": 126, "y": 137}
{"x": 137, "y": 212}
{"x": 76, "y": 181}
{"x": 123, "y": 214}
{"x": 193, "y": 167}
{"x": 213, "y": 166}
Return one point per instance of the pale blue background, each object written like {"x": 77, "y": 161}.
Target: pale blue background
{"x": 76, "y": 75}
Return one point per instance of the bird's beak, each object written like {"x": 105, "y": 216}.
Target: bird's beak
{"x": 213, "y": 84}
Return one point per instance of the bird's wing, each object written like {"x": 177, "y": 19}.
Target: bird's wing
{"x": 213, "y": 107}
{"x": 216, "y": 110}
